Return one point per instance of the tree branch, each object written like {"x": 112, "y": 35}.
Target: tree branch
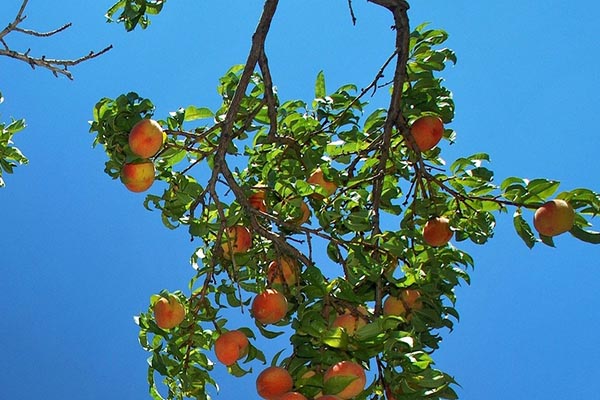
{"x": 56, "y": 66}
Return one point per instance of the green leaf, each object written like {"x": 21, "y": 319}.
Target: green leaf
{"x": 320, "y": 91}
{"x": 193, "y": 113}
{"x": 586, "y": 236}
{"x": 542, "y": 188}
{"x": 523, "y": 229}
{"x": 338, "y": 383}
{"x": 336, "y": 338}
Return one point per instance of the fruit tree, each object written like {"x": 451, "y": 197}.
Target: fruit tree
{"x": 264, "y": 184}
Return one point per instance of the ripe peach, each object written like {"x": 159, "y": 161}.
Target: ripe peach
{"x": 437, "y": 232}
{"x": 348, "y": 322}
{"x": 282, "y": 270}
{"x": 347, "y": 370}
{"x": 408, "y": 301}
{"x": 168, "y": 312}
{"x": 269, "y": 307}
{"x": 304, "y": 217}
{"x": 299, "y": 210}
{"x": 293, "y": 396}
{"x": 138, "y": 176}
{"x": 427, "y": 132}
{"x": 273, "y": 382}
{"x": 231, "y": 346}
{"x": 554, "y": 217}
{"x": 146, "y": 138}
{"x": 317, "y": 178}
{"x": 257, "y": 200}
{"x": 351, "y": 321}
{"x": 236, "y": 239}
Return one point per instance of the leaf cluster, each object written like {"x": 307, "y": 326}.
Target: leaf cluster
{"x": 10, "y": 156}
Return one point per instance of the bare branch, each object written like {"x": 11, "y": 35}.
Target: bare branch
{"x": 352, "y": 12}
{"x": 56, "y": 66}
{"x": 43, "y": 34}
{"x": 18, "y": 19}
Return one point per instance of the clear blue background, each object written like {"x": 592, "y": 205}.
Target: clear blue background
{"x": 79, "y": 255}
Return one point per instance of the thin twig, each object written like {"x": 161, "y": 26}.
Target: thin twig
{"x": 56, "y": 66}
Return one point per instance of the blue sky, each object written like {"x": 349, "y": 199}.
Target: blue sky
{"x": 80, "y": 256}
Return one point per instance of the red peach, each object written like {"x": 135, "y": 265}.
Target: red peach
{"x": 317, "y": 178}
{"x": 273, "y": 382}
{"x": 231, "y": 346}
{"x": 146, "y": 138}
{"x": 168, "y": 312}
{"x": 427, "y": 132}
{"x": 269, "y": 307}
{"x": 347, "y": 370}
{"x": 138, "y": 176}
{"x": 235, "y": 240}
{"x": 554, "y": 217}
{"x": 282, "y": 270}
{"x": 437, "y": 232}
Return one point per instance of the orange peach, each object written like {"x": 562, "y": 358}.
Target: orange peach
{"x": 299, "y": 210}
{"x": 427, "y": 132}
{"x": 235, "y": 240}
{"x": 408, "y": 301}
{"x": 274, "y": 382}
{"x": 304, "y": 217}
{"x": 293, "y": 396}
{"x": 554, "y": 217}
{"x": 257, "y": 200}
{"x": 231, "y": 346}
{"x": 146, "y": 138}
{"x": 282, "y": 270}
{"x": 317, "y": 178}
{"x": 348, "y": 372}
{"x": 349, "y": 322}
{"x": 269, "y": 307}
{"x": 437, "y": 232}
{"x": 138, "y": 176}
{"x": 168, "y": 312}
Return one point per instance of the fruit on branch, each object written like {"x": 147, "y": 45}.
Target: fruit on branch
{"x": 168, "y": 312}
{"x": 231, "y": 346}
{"x": 437, "y": 232}
{"x": 304, "y": 216}
{"x": 350, "y": 321}
{"x": 554, "y": 217}
{"x": 293, "y": 396}
{"x": 348, "y": 374}
{"x": 300, "y": 213}
{"x": 427, "y": 131}
{"x": 269, "y": 307}
{"x": 317, "y": 179}
{"x": 284, "y": 269}
{"x": 138, "y": 176}
{"x": 235, "y": 240}
{"x": 257, "y": 200}
{"x": 404, "y": 304}
{"x": 146, "y": 138}
{"x": 274, "y": 382}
